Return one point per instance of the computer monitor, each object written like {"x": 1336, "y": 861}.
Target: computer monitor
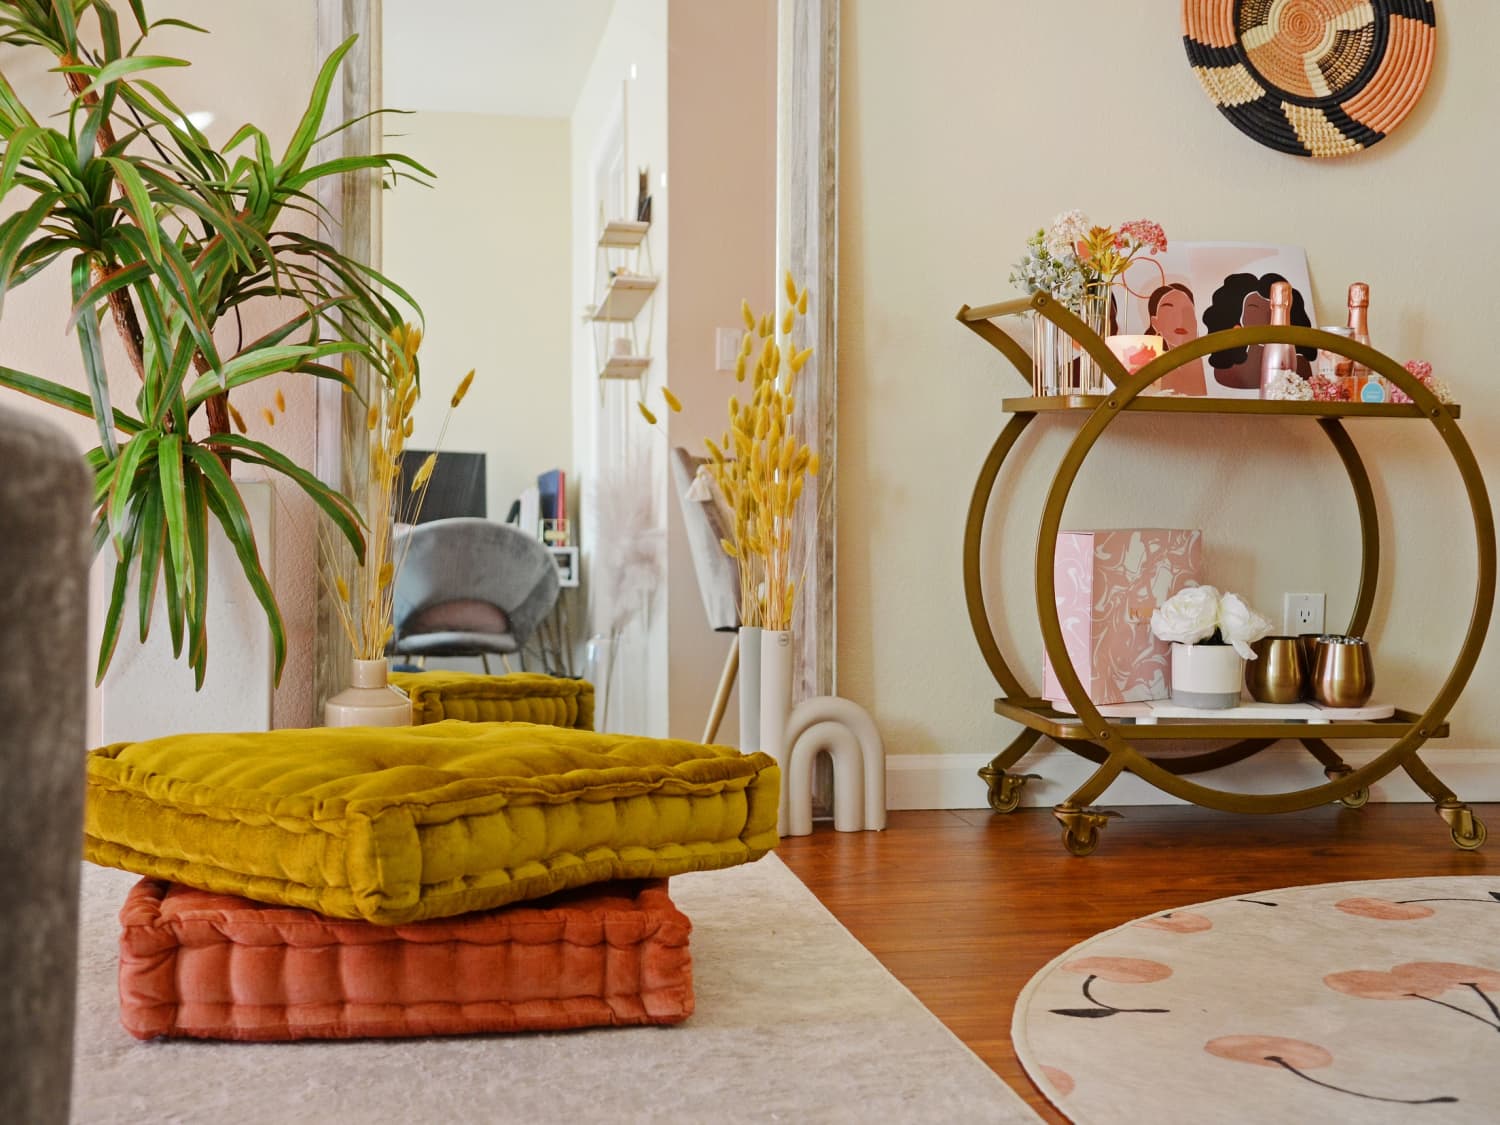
{"x": 456, "y": 487}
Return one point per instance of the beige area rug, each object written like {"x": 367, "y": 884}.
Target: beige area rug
{"x": 795, "y": 1021}
{"x": 1349, "y": 1002}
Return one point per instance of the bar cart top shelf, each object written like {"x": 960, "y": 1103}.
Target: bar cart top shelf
{"x": 1182, "y": 404}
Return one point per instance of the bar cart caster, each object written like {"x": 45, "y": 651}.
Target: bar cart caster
{"x": 1081, "y": 827}
{"x": 1356, "y": 800}
{"x": 1005, "y": 788}
{"x": 1467, "y": 829}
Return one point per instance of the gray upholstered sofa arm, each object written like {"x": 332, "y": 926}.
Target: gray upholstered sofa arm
{"x": 44, "y": 522}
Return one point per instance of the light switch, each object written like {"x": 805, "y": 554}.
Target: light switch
{"x": 727, "y": 348}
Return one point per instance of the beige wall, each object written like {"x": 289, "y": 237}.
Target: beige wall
{"x": 722, "y": 126}
{"x": 486, "y": 253}
{"x": 257, "y": 65}
{"x": 965, "y": 129}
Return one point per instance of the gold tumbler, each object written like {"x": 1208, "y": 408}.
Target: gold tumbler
{"x": 1308, "y": 642}
{"x": 1344, "y": 675}
{"x": 1277, "y": 673}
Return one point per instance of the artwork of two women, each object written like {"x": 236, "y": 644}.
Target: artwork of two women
{"x": 1242, "y": 299}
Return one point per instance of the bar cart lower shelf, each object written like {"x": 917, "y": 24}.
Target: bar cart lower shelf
{"x": 1121, "y": 743}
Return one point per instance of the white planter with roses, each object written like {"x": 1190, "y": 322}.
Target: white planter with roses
{"x": 1211, "y": 634}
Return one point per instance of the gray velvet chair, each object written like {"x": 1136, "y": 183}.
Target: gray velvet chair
{"x": 470, "y": 587}
{"x": 44, "y": 558}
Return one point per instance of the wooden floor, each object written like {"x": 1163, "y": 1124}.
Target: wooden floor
{"x": 963, "y": 907}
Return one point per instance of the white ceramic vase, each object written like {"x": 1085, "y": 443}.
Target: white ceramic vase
{"x": 749, "y": 674}
{"x": 1208, "y": 677}
{"x": 775, "y": 691}
{"x": 369, "y": 700}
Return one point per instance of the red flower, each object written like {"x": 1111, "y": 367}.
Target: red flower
{"x": 1143, "y": 233}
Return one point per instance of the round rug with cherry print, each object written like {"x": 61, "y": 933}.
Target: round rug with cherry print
{"x": 1373, "y": 1001}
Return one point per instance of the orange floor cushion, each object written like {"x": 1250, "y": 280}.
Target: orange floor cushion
{"x": 211, "y": 966}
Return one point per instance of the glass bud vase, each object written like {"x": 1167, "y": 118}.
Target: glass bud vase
{"x": 369, "y": 700}
{"x": 1051, "y": 359}
{"x": 1094, "y": 313}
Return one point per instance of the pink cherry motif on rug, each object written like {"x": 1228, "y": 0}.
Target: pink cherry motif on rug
{"x": 1362, "y": 1002}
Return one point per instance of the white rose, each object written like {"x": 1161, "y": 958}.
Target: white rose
{"x": 1188, "y": 616}
{"x": 1240, "y": 625}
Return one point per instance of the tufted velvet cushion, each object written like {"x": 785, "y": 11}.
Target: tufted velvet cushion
{"x": 393, "y": 825}
{"x": 521, "y": 697}
{"x": 213, "y": 966}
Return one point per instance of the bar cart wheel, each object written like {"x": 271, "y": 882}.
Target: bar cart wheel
{"x": 1081, "y": 844}
{"x": 1472, "y": 839}
{"x": 1005, "y": 788}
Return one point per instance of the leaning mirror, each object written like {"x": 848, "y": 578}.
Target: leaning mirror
{"x": 612, "y": 177}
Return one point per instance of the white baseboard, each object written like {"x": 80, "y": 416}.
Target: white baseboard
{"x": 949, "y": 781}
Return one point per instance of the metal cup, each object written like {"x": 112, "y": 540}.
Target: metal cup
{"x": 1308, "y": 643}
{"x": 1344, "y": 675}
{"x": 1277, "y": 673}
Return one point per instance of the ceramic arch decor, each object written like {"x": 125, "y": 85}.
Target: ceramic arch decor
{"x": 1312, "y": 77}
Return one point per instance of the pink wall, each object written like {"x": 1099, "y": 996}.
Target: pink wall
{"x": 721, "y": 121}
{"x": 257, "y": 65}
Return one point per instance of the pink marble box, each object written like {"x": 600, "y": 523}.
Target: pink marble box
{"x": 1108, "y": 582}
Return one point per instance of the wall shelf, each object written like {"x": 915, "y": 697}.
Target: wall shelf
{"x": 624, "y": 299}
{"x": 625, "y": 367}
{"x": 622, "y": 235}
{"x": 1110, "y": 740}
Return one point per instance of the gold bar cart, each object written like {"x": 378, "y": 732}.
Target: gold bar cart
{"x": 1112, "y": 745}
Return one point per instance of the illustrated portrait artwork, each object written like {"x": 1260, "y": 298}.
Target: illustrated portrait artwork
{"x": 1196, "y": 288}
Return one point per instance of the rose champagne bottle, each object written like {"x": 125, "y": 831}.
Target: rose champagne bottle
{"x": 1276, "y": 358}
{"x": 1359, "y": 325}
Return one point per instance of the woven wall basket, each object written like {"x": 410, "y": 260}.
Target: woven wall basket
{"x": 1312, "y": 77}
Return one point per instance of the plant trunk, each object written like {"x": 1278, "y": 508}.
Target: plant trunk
{"x": 127, "y": 323}
{"x": 216, "y": 409}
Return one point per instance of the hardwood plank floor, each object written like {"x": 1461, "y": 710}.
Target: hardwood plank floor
{"x": 964, "y": 907}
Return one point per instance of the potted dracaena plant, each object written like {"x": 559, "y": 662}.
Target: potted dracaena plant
{"x": 166, "y": 238}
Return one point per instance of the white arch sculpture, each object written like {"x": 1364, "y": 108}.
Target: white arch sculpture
{"x": 848, "y": 734}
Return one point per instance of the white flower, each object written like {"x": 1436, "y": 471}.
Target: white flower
{"x": 1067, "y": 231}
{"x": 1288, "y": 386}
{"x": 1240, "y": 625}
{"x": 1188, "y": 616}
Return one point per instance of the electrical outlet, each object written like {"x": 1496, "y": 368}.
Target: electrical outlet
{"x": 1301, "y": 613}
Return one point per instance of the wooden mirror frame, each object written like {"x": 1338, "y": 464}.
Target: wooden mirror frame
{"x": 807, "y": 154}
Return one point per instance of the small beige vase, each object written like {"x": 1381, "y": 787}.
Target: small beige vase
{"x": 369, "y": 700}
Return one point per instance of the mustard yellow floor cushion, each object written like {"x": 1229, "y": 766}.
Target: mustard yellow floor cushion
{"x": 423, "y": 822}
{"x": 522, "y": 697}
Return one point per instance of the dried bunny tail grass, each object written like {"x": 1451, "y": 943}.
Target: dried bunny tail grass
{"x": 463, "y": 389}
{"x": 365, "y": 611}
{"x": 672, "y": 400}
{"x": 236, "y": 417}
{"x": 424, "y": 473}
